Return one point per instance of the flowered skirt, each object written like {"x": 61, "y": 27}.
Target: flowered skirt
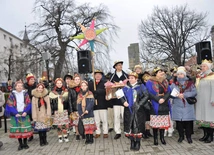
{"x": 89, "y": 125}
{"x": 40, "y": 126}
{"x": 61, "y": 118}
{"x": 205, "y": 124}
{"x": 20, "y": 127}
{"x": 160, "y": 121}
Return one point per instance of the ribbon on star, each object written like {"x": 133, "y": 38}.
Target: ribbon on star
{"x": 89, "y": 35}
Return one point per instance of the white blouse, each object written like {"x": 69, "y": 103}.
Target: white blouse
{"x": 20, "y": 100}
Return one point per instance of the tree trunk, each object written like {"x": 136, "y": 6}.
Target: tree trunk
{"x": 59, "y": 64}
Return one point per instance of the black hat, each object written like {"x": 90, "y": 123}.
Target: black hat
{"x": 68, "y": 76}
{"x": 108, "y": 75}
{"x": 117, "y": 62}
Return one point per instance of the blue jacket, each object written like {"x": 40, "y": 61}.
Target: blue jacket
{"x": 182, "y": 110}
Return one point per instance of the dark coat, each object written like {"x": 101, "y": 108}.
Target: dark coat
{"x": 72, "y": 95}
{"x": 54, "y": 100}
{"x": 89, "y": 106}
{"x": 30, "y": 88}
{"x": 115, "y": 78}
{"x": 99, "y": 95}
{"x": 134, "y": 114}
{"x": 156, "y": 87}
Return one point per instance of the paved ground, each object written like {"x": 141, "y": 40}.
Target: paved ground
{"x": 106, "y": 146}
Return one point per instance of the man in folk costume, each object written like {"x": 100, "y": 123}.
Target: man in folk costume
{"x": 159, "y": 93}
{"x": 18, "y": 107}
{"x": 205, "y": 101}
{"x": 30, "y": 85}
{"x": 100, "y": 108}
{"x": 110, "y": 108}
{"x": 60, "y": 108}
{"x": 85, "y": 104}
{"x": 136, "y": 96}
{"x": 118, "y": 76}
{"x": 41, "y": 112}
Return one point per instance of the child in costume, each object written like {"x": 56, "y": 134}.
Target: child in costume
{"x": 18, "y": 107}
{"x": 135, "y": 97}
{"x": 41, "y": 112}
{"x": 85, "y": 106}
{"x": 60, "y": 108}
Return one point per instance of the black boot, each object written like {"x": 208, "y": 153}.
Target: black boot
{"x": 189, "y": 140}
{"x": 205, "y": 137}
{"x": 210, "y": 136}
{"x": 30, "y": 139}
{"x": 25, "y": 146}
{"x": 181, "y": 136}
{"x": 162, "y": 137}
{"x": 87, "y": 139}
{"x": 137, "y": 144}
{"x": 91, "y": 139}
{"x": 45, "y": 138}
{"x": 155, "y": 135}
{"x": 148, "y": 133}
{"x": 41, "y": 142}
{"x": 83, "y": 136}
{"x": 132, "y": 145}
{"x": 20, "y": 144}
{"x": 144, "y": 135}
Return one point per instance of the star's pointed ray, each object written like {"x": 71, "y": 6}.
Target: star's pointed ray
{"x": 92, "y": 24}
{"x": 100, "y": 41}
{"x": 83, "y": 42}
{"x": 82, "y": 27}
{"x": 92, "y": 45}
{"x": 80, "y": 36}
{"x": 100, "y": 30}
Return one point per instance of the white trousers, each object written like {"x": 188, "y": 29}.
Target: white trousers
{"x": 101, "y": 116}
{"x": 110, "y": 118}
{"x": 118, "y": 111}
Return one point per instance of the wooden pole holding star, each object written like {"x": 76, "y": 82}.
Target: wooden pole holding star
{"x": 89, "y": 35}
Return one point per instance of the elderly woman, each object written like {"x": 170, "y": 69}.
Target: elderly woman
{"x": 19, "y": 107}
{"x": 183, "y": 112}
{"x": 205, "y": 104}
{"x": 159, "y": 93}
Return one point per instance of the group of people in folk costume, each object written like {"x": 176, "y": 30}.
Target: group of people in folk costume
{"x": 147, "y": 102}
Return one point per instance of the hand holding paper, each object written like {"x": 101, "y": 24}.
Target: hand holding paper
{"x": 119, "y": 93}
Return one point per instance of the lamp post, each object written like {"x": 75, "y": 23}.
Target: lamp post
{"x": 46, "y": 57}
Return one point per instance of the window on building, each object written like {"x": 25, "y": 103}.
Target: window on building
{"x": 5, "y": 49}
{"x": 11, "y": 39}
{"x": 5, "y": 37}
{"x": 21, "y": 45}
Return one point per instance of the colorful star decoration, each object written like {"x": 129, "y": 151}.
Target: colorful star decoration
{"x": 89, "y": 35}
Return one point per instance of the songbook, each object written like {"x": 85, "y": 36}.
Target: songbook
{"x": 119, "y": 93}
{"x": 174, "y": 92}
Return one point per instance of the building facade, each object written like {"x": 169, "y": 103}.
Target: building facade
{"x": 134, "y": 55}
{"x": 17, "y": 57}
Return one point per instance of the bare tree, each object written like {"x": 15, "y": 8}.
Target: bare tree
{"x": 168, "y": 35}
{"x": 58, "y": 22}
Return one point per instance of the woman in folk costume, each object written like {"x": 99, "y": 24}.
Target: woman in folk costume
{"x": 74, "y": 89}
{"x": 85, "y": 104}
{"x": 134, "y": 115}
{"x": 205, "y": 101}
{"x": 41, "y": 112}
{"x": 60, "y": 108}
{"x": 19, "y": 107}
{"x": 159, "y": 93}
{"x": 183, "y": 112}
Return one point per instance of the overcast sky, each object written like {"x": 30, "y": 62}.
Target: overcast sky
{"x": 127, "y": 15}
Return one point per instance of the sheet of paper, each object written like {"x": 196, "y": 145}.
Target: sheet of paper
{"x": 119, "y": 93}
{"x": 174, "y": 92}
